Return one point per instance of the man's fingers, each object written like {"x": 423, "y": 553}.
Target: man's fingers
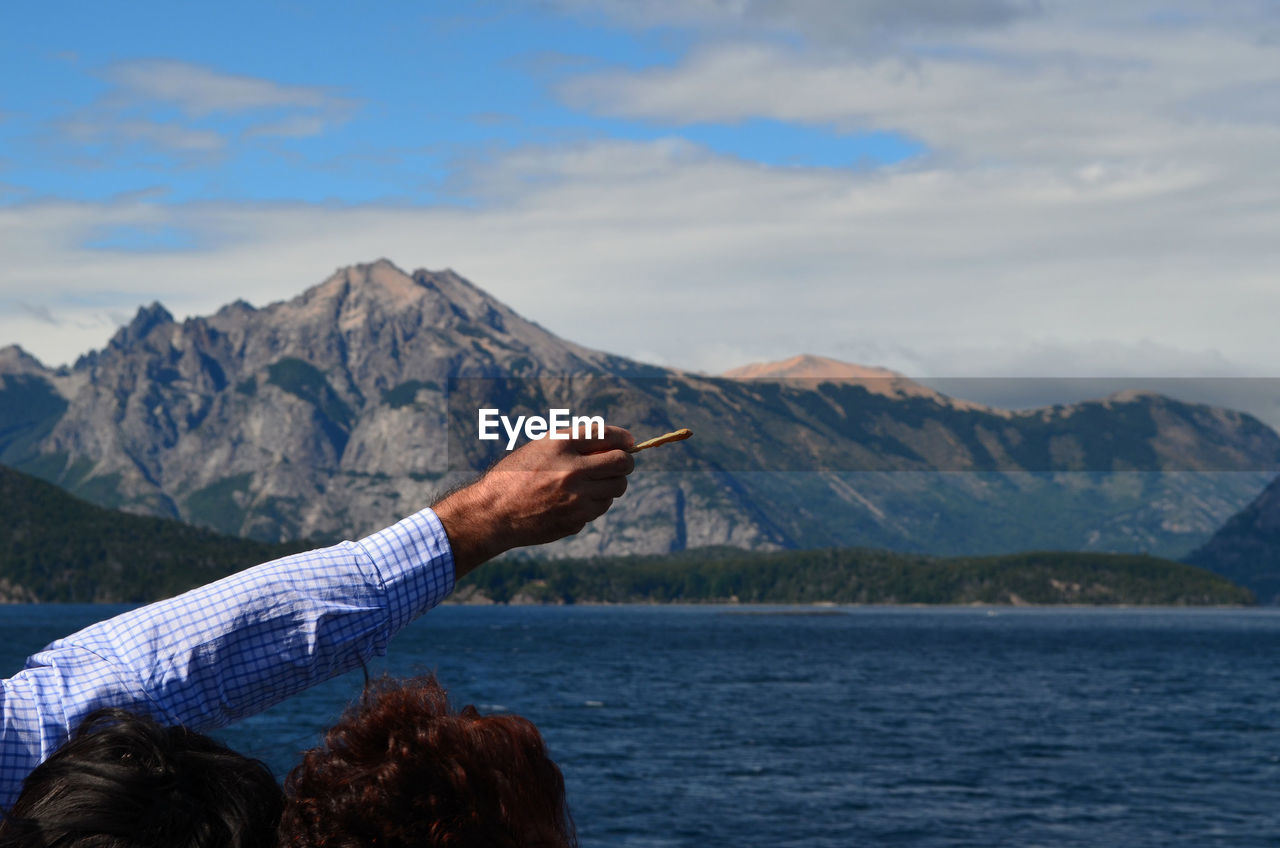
{"x": 614, "y": 463}
{"x": 613, "y": 487}
{"x": 615, "y": 438}
{"x": 598, "y": 507}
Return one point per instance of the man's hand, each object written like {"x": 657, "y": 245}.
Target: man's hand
{"x": 543, "y": 491}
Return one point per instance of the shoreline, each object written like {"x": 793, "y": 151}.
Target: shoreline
{"x": 835, "y": 607}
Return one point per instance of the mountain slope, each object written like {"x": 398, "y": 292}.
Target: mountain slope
{"x": 55, "y": 547}
{"x": 1246, "y": 548}
{"x": 326, "y": 416}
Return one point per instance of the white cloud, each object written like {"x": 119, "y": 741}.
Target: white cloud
{"x": 1074, "y": 97}
{"x": 214, "y": 109}
{"x": 130, "y": 133}
{"x": 1099, "y": 199}
{"x": 200, "y": 91}
{"x": 706, "y": 261}
{"x": 824, "y": 20}
{"x": 294, "y": 126}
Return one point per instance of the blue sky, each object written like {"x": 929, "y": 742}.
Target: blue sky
{"x": 375, "y": 105}
{"x": 945, "y": 187}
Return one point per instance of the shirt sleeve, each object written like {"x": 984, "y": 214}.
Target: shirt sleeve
{"x": 231, "y": 648}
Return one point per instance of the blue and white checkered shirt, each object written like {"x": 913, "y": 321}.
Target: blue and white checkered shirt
{"x": 229, "y": 649}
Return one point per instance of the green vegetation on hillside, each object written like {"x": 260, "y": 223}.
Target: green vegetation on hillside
{"x": 216, "y": 504}
{"x": 304, "y": 380}
{"x": 55, "y": 547}
{"x": 405, "y": 393}
{"x": 29, "y": 409}
{"x": 855, "y": 576}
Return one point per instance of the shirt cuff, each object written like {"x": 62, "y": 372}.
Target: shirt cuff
{"x": 415, "y": 563}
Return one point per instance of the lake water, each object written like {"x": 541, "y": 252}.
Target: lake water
{"x": 714, "y": 726}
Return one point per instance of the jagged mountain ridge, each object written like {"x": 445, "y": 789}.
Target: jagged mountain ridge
{"x": 324, "y": 415}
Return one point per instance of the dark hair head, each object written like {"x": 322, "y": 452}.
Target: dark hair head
{"x": 403, "y": 770}
{"x": 125, "y": 781}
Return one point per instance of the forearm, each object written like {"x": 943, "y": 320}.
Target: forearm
{"x": 475, "y": 529}
{"x": 237, "y": 646}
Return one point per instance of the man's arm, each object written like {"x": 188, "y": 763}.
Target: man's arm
{"x": 241, "y": 644}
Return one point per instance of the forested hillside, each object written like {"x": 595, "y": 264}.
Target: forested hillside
{"x": 56, "y": 547}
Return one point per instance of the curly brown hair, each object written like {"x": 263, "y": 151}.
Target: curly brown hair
{"x": 402, "y": 769}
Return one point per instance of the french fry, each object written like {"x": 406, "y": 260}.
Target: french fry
{"x": 677, "y": 436}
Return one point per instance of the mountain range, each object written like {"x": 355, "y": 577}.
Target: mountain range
{"x": 354, "y": 403}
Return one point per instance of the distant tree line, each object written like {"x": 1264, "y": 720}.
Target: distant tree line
{"x": 854, "y": 576}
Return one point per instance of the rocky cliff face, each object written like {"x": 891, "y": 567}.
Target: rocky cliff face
{"x": 325, "y": 416}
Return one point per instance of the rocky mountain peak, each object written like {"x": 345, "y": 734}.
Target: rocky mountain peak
{"x": 380, "y": 280}
{"x": 147, "y": 319}
{"x": 807, "y": 366}
{"x": 356, "y": 294}
{"x": 379, "y": 322}
{"x": 15, "y": 360}
{"x": 353, "y": 283}
{"x": 876, "y": 380}
{"x": 1132, "y": 396}
{"x": 235, "y": 308}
